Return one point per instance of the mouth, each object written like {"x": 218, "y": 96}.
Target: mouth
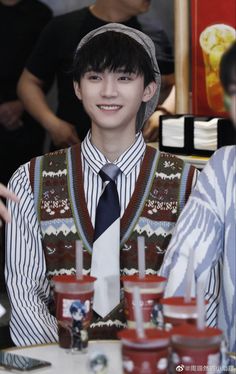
{"x": 109, "y": 108}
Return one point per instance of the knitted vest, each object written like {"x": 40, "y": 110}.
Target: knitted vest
{"x": 162, "y": 189}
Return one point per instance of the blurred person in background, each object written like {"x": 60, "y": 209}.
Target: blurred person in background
{"x": 207, "y": 228}
{"x": 53, "y": 57}
{"x": 21, "y": 138}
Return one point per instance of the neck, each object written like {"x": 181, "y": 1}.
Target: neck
{"x": 111, "y": 144}
{"x": 109, "y": 11}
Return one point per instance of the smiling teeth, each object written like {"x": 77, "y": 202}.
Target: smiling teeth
{"x": 109, "y": 107}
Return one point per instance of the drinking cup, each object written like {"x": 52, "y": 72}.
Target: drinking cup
{"x": 73, "y": 300}
{"x": 148, "y": 355}
{"x": 151, "y": 291}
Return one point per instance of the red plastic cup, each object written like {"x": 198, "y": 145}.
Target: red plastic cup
{"x": 151, "y": 291}
{"x": 177, "y": 311}
{"x": 73, "y": 300}
{"x": 145, "y": 356}
{"x": 195, "y": 350}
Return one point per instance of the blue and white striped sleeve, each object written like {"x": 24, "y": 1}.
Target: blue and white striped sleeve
{"x": 25, "y": 269}
{"x": 199, "y": 231}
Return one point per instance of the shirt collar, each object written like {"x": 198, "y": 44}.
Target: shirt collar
{"x": 126, "y": 161}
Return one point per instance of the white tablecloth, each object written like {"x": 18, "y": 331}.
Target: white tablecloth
{"x": 67, "y": 363}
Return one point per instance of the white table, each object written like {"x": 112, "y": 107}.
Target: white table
{"x": 67, "y": 363}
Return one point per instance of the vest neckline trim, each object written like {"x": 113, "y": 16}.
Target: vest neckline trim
{"x": 78, "y": 202}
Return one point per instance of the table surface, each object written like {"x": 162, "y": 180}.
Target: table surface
{"x": 68, "y": 363}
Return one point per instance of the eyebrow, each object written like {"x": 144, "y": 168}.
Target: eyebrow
{"x": 125, "y": 71}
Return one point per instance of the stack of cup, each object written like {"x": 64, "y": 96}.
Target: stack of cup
{"x": 196, "y": 347}
{"x": 144, "y": 350}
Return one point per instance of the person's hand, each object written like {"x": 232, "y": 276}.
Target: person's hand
{"x": 63, "y": 134}
{"x": 151, "y": 127}
{"x": 10, "y": 114}
{"x": 3, "y": 210}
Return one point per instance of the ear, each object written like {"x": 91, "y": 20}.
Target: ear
{"x": 77, "y": 90}
{"x": 149, "y": 91}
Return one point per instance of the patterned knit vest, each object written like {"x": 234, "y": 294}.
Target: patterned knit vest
{"x": 162, "y": 189}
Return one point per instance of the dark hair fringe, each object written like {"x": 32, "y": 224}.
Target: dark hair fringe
{"x": 113, "y": 51}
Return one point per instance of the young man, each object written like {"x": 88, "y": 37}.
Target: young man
{"x": 117, "y": 78}
{"x": 207, "y": 228}
{"x": 53, "y": 57}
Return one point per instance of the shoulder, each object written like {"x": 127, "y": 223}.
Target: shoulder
{"x": 154, "y": 29}
{"x": 164, "y": 50}
{"x": 170, "y": 159}
{"x": 49, "y": 156}
{"x": 35, "y": 6}
{"x": 224, "y": 154}
{"x": 56, "y": 158}
{"x": 69, "y": 20}
{"x": 62, "y": 30}
{"x": 47, "y": 166}
{"x": 218, "y": 177}
{"x": 20, "y": 179}
{"x": 221, "y": 163}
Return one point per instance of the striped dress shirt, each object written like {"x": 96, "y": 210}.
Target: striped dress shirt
{"x": 207, "y": 226}
{"x": 28, "y": 286}
{"x": 129, "y": 163}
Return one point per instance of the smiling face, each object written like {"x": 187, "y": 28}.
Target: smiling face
{"x": 112, "y": 99}
{"x": 78, "y": 315}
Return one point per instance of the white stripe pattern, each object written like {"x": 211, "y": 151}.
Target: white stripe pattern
{"x": 208, "y": 226}
{"x": 28, "y": 287}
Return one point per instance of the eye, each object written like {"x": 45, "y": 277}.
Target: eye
{"x": 93, "y": 76}
{"x": 125, "y": 78}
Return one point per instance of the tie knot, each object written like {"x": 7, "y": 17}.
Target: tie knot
{"x": 109, "y": 171}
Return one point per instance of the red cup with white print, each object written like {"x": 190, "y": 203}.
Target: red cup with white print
{"x": 195, "y": 350}
{"x": 148, "y": 355}
{"x": 74, "y": 300}
{"x": 177, "y": 311}
{"x": 151, "y": 291}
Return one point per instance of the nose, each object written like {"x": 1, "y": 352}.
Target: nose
{"x": 109, "y": 87}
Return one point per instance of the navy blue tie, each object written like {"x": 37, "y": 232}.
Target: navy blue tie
{"x": 108, "y": 209}
{"x": 105, "y": 264}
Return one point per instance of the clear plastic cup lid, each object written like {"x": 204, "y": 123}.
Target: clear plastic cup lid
{"x": 69, "y": 283}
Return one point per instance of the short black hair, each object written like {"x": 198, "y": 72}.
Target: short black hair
{"x": 228, "y": 68}
{"x": 113, "y": 51}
